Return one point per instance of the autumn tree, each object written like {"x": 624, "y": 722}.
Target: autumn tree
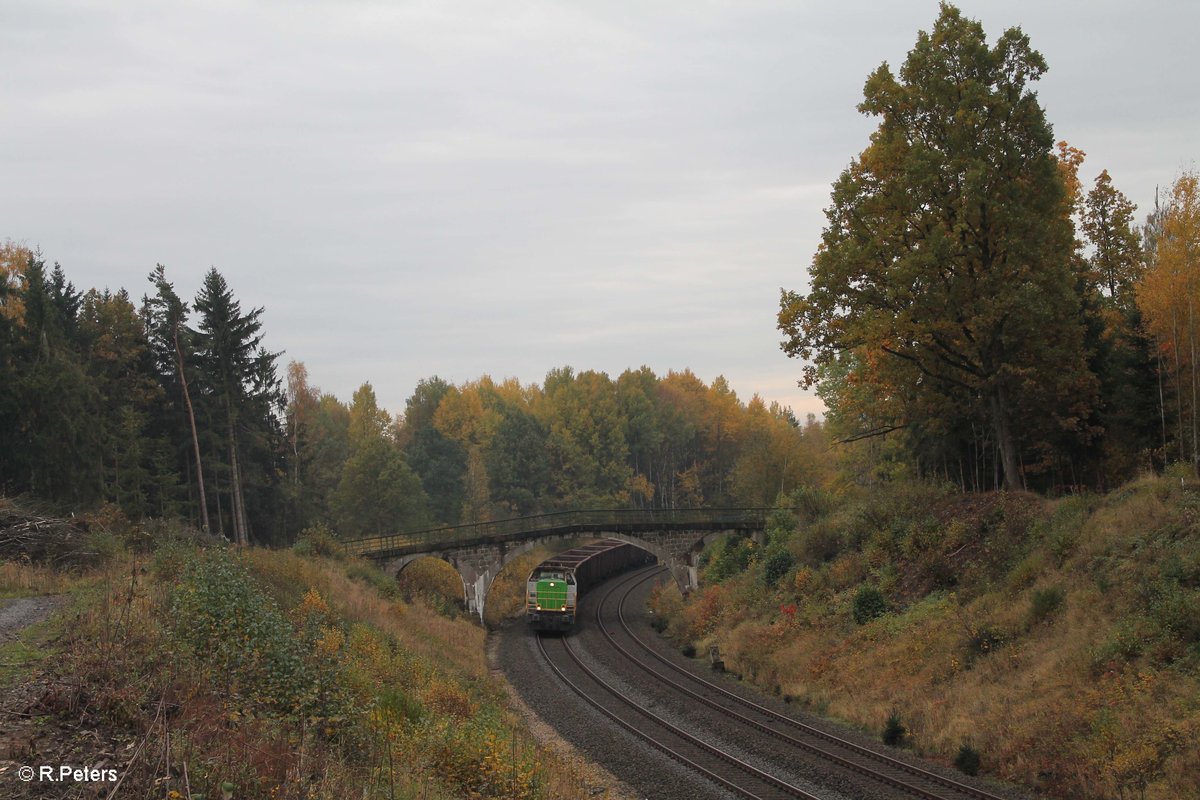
{"x": 1167, "y": 296}
{"x": 1121, "y": 355}
{"x": 13, "y": 259}
{"x": 774, "y": 457}
{"x": 946, "y": 263}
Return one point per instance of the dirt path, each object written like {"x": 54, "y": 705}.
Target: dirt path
{"x": 16, "y": 615}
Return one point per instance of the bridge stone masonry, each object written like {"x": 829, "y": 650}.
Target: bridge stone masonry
{"x": 479, "y": 551}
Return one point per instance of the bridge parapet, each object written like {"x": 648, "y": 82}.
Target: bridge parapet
{"x": 559, "y": 522}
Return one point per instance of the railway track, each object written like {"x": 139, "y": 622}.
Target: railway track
{"x": 736, "y": 775}
{"x": 836, "y": 751}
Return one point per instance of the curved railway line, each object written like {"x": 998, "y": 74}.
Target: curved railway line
{"x": 707, "y": 759}
{"x": 752, "y": 721}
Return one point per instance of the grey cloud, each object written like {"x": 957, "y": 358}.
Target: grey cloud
{"x": 453, "y": 188}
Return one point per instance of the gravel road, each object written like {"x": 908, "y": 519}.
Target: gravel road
{"x": 16, "y": 615}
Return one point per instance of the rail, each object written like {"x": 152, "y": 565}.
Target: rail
{"x": 623, "y": 520}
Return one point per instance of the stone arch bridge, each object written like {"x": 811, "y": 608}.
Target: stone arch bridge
{"x": 479, "y": 550}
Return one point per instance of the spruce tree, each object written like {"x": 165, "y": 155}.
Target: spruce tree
{"x": 240, "y": 381}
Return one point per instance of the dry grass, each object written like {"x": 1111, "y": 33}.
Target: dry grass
{"x": 416, "y": 713}
{"x": 1091, "y": 698}
{"x": 19, "y": 579}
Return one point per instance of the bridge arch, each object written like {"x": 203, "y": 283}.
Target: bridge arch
{"x": 479, "y": 550}
{"x": 478, "y": 566}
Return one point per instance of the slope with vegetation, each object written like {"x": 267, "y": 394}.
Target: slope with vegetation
{"x": 1054, "y": 642}
{"x": 197, "y": 671}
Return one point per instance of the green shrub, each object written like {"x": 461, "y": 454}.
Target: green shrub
{"x": 1026, "y": 571}
{"x": 318, "y": 540}
{"x": 894, "y": 731}
{"x": 1175, "y": 609}
{"x": 967, "y": 760}
{"x": 1123, "y": 644}
{"x": 730, "y": 557}
{"x": 373, "y": 576}
{"x": 1045, "y": 602}
{"x": 395, "y": 703}
{"x": 819, "y": 543}
{"x": 778, "y": 563}
{"x": 810, "y": 502}
{"x": 219, "y": 614}
{"x": 100, "y": 547}
{"x": 869, "y": 603}
{"x": 1179, "y": 471}
{"x": 1061, "y": 531}
{"x": 781, "y": 524}
{"x": 169, "y": 560}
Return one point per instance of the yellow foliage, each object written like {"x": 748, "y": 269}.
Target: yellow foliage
{"x": 313, "y": 603}
{"x": 449, "y": 698}
{"x": 330, "y": 641}
{"x": 13, "y": 260}
{"x": 803, "y": 580}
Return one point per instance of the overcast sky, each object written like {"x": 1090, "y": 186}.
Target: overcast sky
{"x": 419, "y": 188}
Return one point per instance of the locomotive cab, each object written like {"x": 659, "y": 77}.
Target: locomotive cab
{"x": 550, "y": 598}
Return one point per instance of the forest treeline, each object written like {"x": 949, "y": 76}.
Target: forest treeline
{"x": 977, "y": 313}
{"x": 170, "y": 408}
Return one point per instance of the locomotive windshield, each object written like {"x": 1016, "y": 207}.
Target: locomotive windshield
{"x": 556, "y": 575}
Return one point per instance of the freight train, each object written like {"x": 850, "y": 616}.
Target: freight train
{"x": 555, "y": 586}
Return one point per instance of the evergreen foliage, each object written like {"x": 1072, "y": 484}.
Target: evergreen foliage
{"x": 869, "y": 604}
{"x": 894, "y": 730}
{"x": 967, "y": 761}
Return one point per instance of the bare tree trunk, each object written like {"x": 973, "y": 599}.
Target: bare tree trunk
{"x": 1162, "y": 407}
{"x": 235, "y": 480}
{"x": 1192, "y": 369}
{"x": 187, "y": 399}
{"x": 1178, "y": 392}
{"x": 1008, "y": 452}
{"x": 220, "y": 512}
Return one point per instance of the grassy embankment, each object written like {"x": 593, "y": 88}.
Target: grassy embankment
{"x": 1056, "y": 642}
{"x": 206, "y": 673}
